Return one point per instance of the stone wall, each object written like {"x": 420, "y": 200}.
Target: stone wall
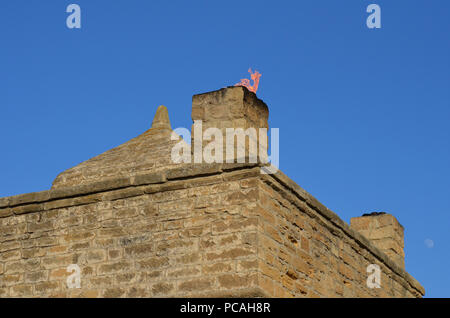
{"x": 146, "y": 238}
{"x": 139, "y": 225}
{"x": 210, "y": 230}
{"x": 307, "y": 250}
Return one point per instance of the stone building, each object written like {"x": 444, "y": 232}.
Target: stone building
{"x": 138, "y": 225}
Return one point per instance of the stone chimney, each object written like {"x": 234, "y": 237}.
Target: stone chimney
{"x": 385, "y": 232}
{"x": 231, "y": 107}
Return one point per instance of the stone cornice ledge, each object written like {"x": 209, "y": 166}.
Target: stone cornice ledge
{"x": 35, "y": 201}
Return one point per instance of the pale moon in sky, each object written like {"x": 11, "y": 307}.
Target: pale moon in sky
{"x": 429, "y": 243}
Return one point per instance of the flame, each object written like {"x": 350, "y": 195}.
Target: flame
{"x": 246, "y": 82}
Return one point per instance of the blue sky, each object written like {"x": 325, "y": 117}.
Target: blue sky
{"x": 363, "y": 114}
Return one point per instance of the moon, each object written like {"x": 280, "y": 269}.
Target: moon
{"x": 429, "y": 243}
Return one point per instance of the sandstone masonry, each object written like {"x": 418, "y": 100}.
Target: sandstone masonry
{"x": 138, "y": 225}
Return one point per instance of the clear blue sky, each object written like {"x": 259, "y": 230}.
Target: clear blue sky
{"x": 363, "y": 114}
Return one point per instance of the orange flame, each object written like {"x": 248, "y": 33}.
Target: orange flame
{"x": 246, "y": 82}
